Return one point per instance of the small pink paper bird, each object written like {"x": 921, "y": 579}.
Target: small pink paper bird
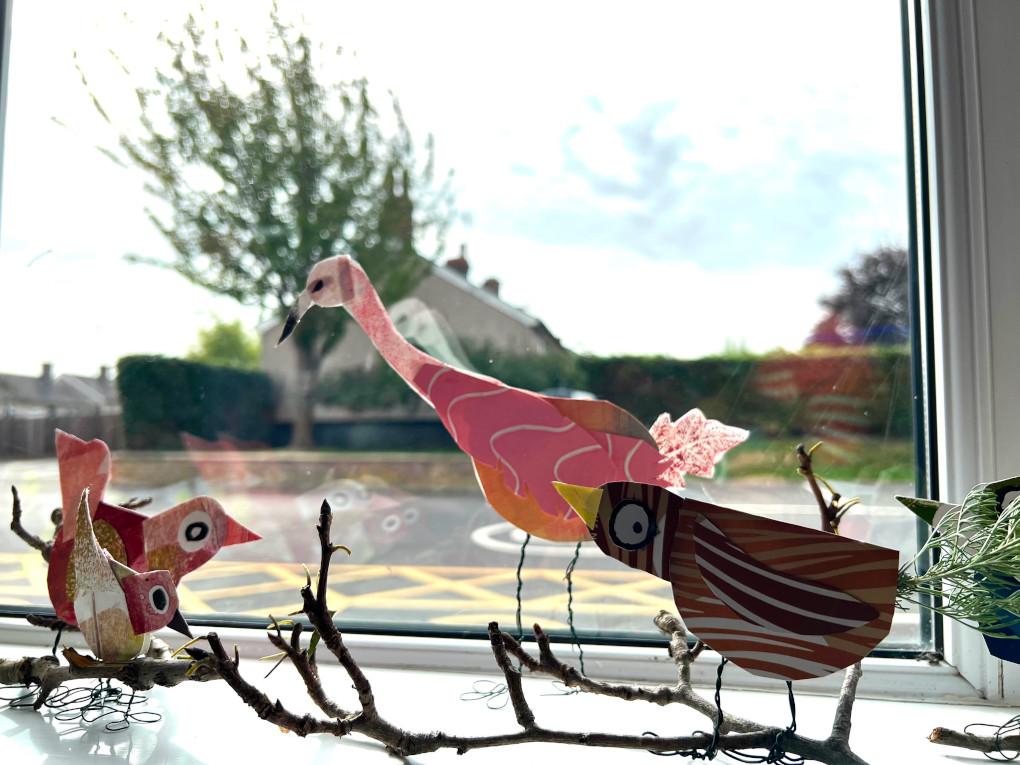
{"x": 178, "y": 540}
{"x": 519, "y": 441}
{"x": 116, "y": 607}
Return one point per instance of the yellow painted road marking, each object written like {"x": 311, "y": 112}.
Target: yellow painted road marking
{"x": 448, "y": 594}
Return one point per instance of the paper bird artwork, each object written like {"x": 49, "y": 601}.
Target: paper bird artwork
{"x": 779, "y": 600}
{"x": 371, "y": 517}
{"x": 116, "y": 607}
{"x": 976, "y": 568}
{"x": 519, "y": 441}
{"x": 177, "y": 540}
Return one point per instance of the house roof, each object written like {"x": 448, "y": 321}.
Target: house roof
{"x": 65, "y": 391}
{"x": 455, "y": 279}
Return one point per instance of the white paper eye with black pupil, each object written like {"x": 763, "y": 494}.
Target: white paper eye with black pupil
{"x": 158, "y": 599}
{"x": 341, "y": 500}
{"x": 391, "y": 523}
{"x": 193, "y": 533}
{"x": 632, "y": 525}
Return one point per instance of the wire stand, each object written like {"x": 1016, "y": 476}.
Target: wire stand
{"x": 777, "y": 754}
{"x": 86, "y": 705}
{"x": 1009, "y": 728}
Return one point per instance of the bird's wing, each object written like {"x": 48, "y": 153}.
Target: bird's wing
{"x": 768, "y": 597}
{"x": 121, "y": 532}
{"x": 118, "y": 531}
{"x": 597, "y": 416}
{"x": 82, "y": 465}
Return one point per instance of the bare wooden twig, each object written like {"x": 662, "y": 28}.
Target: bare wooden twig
{"x": 47, "y": 673}
{"x": 31, "y": 539}
{"x": 681, "y": 693}
{"x": 949, "y": 737}
{"x": 136, "y": 502}
{"x": 830, "y": 510}
{"x": 737, "y": 733}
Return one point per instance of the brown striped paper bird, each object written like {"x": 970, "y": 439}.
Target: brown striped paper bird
{"x": 779, "y": 600}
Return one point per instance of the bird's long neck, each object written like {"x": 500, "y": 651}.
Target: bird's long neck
{"x": 367, "y": 309}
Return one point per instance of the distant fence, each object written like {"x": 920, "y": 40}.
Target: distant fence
{"x": 32, "y": 437}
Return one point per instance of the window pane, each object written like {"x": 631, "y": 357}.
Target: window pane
{"x": 693, "y": 205}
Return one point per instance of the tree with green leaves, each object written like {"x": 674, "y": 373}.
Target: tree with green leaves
{"x": 263, "y": 167}
{"x": 227, "y": 344}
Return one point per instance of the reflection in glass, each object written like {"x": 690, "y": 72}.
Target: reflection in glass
{"x": 644, "y": 209}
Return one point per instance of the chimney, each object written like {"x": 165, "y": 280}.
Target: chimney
{"x": 104, "y": 374}
{"x": 491, "y": 285}
{"x": 47, "y": 373}
{"x": 459, "y": 263}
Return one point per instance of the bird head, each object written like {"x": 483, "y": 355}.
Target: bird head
{"x": 184, "y": 537}
{"x": 152, "y": 603}
{"x": 328, "y": 285}
{"x": 626, "y": 519}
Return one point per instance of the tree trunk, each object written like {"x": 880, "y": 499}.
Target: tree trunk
{"x": 303, "y": 434}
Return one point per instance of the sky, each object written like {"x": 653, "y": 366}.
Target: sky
{"x": 676, "y": 178}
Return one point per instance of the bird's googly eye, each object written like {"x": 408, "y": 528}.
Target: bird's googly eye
{"x": 411, "y": 515}
{"x": 391, "y": 523}
{"x": 632, "y": 525}
{"x": 159, "y": 599}
{"x": 317, "y": 286}
{"x": 341, "y": 500}
{"x": 194, "y": 532}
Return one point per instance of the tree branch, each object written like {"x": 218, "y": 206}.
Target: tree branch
{"x": 827, "y": 509}
{"x": 156, "y": 668}
{"x": 949, "y": 737}
{"x": 31, "y": 539}
{"x": 737, "y": 733}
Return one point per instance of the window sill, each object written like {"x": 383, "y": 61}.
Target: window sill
{"x": 186, "y": 734}
{"x": 888, "y": 679}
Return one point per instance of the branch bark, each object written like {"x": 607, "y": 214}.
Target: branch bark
{"x": 156, "y": 668}
{"x": 736, "y": 733}
{"x": 31, "y": 539}
{"x": 950, "y": 737}
{"x": 830, "y": 510}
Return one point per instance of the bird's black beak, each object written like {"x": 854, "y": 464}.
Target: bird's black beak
{"x": 178, "y": 623}
{"x": 304, "y": 302}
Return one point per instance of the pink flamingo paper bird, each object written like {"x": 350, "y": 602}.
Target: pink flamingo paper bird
{"x": 519, "y": 441}
{"x": 115, "y": 607}
{"x": 178, "y": 540}
{"x": 779, "y": 600}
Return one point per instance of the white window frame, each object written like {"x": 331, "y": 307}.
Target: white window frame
{"x": 973, "y": 112}
{"x": 970, "y": 60}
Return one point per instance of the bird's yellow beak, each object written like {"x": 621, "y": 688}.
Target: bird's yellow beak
{"x": 585, "y": 501}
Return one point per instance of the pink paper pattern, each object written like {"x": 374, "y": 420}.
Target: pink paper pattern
{"x": 518, "y": 438}
{"x": 178, "y": 540}
{"x": 114, "y": 606}
{"x": 693, "y": 444}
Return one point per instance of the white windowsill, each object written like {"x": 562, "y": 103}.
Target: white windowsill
{"x": 889, "y": 679}
{"x": 206, "y": 723}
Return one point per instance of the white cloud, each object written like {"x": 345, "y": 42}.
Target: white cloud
{"x": 500, "y": 88}
{"x": 616, "y": 302}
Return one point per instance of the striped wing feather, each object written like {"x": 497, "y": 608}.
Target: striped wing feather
{"x": 770, "y": 598}
{"x": 797, "y": 556}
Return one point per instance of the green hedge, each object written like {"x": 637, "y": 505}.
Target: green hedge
{"x": 163, "y": 397}
{"x": 875, "y": 382}
{"x": 730, "y": 389}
